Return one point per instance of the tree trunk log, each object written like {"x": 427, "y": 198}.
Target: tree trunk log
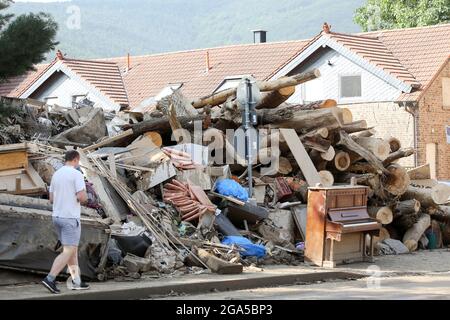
{"x": 413, "y": 235}
{"x": 347, "y": 116}
{"x": 356, "y": 126}
{"x": 222, "y": 96}
{"x": 321, "y": 104}
{"x": 349, "y": 144}
{"x": 363, "y": 167}
{"x": 440, "y": 213}
{"x": 424, "y": 183}
{"x": 366, "y": 133}
{"x": 329, "y": 154}
{"x": 321, "y": 132}
{"x": 312, "y": 141}
{"x": 394, "y": 143}
{"x": 378, "y": 147}
{"x": 300, "y": 120}
{"x": 326, "y": 178}
{"x": 320, "y": 144}
{"x": 342, "y": 161}
{"x": 397, "y": 181}
{"x": 420, "y": 173}
{"x": 402, "y": 153}
{"x": 383, "y": 215}
{"x": 363, "y": 179}
{"x": 274, "y": 98}
{"x": 266, "y": 157}
{"x": 406, "y": 207}
{"x": 428, "y": 197}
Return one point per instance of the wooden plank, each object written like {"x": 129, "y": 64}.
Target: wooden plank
{"x": 35, "y": 177}
{"x": 301, "y": 156}
{"x": 22, "y": 181}
{"x": 94, "y": 178}
{"x": 112, "y": 164}
{"x": 6, "y": 148}
{"x": 13, "y": 160}
{"x": 231, "y": 199}
{"x": 11, "y": 172}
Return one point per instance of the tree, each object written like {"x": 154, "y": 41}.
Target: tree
{"x": 388, "y": 14}
{"x": 24, "y": 41}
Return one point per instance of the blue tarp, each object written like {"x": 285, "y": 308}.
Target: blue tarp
{"x": 251, "y": 249}
{"x": 229, "y": 187}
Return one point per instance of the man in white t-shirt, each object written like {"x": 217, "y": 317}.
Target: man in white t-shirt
{"x": 67, "y": 192}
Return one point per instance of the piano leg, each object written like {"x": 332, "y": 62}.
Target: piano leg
{"x": 364, "y": 251}
{"x": 371, "y": 248}
{"x": 330, "y": 263}
{"x": 368, "y": 257}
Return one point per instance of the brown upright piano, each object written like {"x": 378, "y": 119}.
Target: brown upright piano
{"x": 337, "y": 224}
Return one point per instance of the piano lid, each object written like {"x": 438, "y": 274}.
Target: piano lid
{"x": 348, "y": 214}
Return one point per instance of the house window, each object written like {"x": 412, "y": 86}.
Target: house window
{"x": 446, "y": 93}
{"x": 350, "y": 86}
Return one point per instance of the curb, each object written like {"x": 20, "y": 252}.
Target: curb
{"x": 203, "y": 287}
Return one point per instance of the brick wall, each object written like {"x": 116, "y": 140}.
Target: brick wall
{"x": 389, "y": 120}
{"x": 432, "y": 121}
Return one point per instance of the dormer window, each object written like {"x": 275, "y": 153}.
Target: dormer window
{"x": 350, "y": 86}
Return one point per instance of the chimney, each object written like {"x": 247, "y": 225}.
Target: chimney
{"x": 326, "y": 28}
{"x": 59, "y": 55}
{"x": 259, "y": 36}
{"x": 128, "y": 62}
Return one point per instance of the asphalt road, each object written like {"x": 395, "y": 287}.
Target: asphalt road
{"x": 430, "y": 286}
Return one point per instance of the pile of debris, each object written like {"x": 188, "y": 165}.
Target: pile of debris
{"x": 172, "y": 190}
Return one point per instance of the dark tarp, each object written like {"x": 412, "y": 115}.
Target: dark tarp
{"x": 28, "y": 241}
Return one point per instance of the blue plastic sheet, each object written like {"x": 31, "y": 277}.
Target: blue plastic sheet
{"x": 229, "y": 187}
{"x": 250, "y": 249}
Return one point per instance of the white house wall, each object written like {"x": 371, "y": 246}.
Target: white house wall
{"x": 373, "y": 89}
{"x": 63, "y": 88}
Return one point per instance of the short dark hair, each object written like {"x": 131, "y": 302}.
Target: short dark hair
{"x": 71, "y": 155}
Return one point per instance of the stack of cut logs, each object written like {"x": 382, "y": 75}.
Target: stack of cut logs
{"x": 407, "y": 203}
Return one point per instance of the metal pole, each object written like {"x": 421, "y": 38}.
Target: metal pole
{"x": 248, "y": 138}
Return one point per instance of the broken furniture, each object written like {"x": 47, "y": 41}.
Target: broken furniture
{"x": 337, "y": 225}
{"x": 17, "y": 175}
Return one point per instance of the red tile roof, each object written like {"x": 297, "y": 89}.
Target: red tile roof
{"x": 148, "y": 75}
{"x": 15, "y": 85}
{"x": 372, "y": 49}
{"x": 103, "y": 75}
{"x": 412, "y": 55}
{"x": 422, "y": 51}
